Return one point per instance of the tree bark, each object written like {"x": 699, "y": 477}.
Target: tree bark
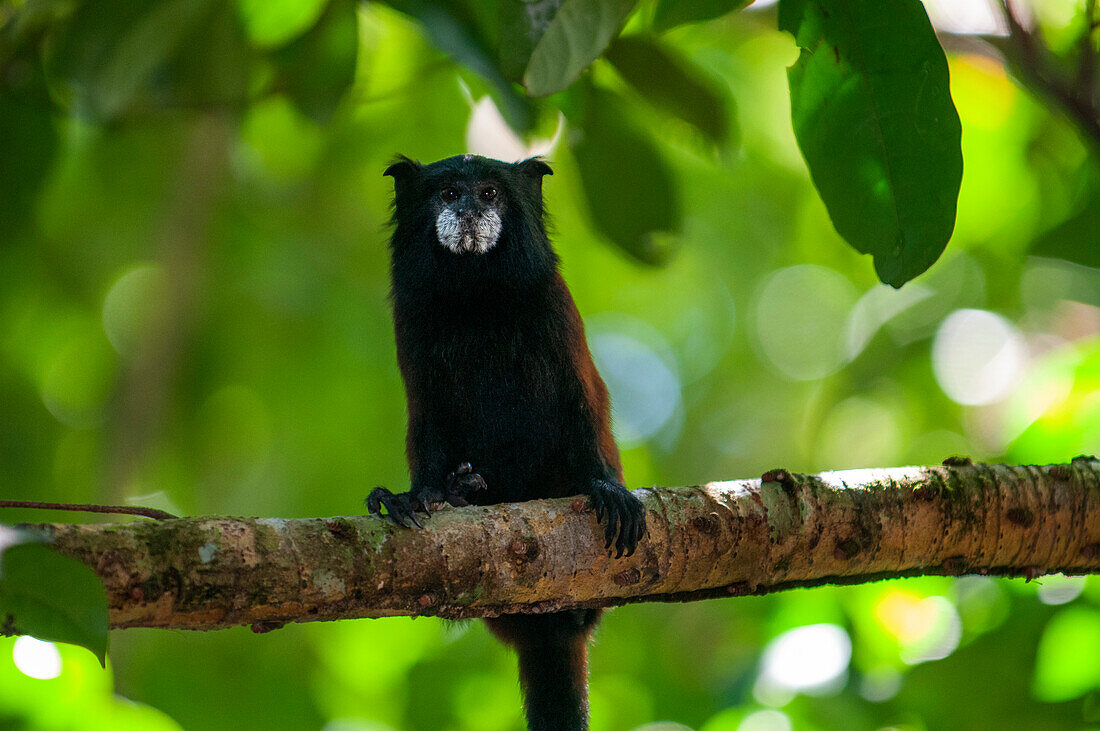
{"x": 721, "y": 539}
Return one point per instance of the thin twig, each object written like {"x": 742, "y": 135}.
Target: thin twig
{"x": 1029, "y": 58}
{"x": 88, "y": 508}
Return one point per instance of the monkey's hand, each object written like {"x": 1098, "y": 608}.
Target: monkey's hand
{"x": 404, "y": 506}
{"x": 461, "y": 483}
{"x": 625, "y": 515}
{"x": 399, "y": 508}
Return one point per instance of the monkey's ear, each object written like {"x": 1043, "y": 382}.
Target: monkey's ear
{"x": 536, "y": 167}
{"x": 402, "y": 167}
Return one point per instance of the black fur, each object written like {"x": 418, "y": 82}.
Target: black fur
{"x": 498, "y": 375}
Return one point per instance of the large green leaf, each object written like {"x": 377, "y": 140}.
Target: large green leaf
{"x": 1077, "y": 238}
{"x": 577, "y": 35}
{"x": 873, "y": 116}
{"x": 522, "y": 24}
{"x": 670, "y": 13}
{"x": 49, "y": 596}
{"x": 632, "y": 197}
{"x": 674, "y": 84}
{"x": 457, "y": 30}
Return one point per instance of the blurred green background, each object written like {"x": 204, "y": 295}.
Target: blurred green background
{"x": 194, "y": 316}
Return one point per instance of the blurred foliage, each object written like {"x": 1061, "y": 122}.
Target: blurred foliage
{"x": 193, "y": 316}
{"x": 49, "y": 596}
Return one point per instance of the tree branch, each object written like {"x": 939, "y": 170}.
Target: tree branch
{"x": 720, "y": 539}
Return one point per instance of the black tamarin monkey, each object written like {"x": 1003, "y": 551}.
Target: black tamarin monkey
{"x": 504, "y": 401}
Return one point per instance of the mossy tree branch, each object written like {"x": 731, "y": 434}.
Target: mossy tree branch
{"x": 720, "y": 539}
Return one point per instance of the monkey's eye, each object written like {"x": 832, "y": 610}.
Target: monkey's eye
{"x": 488, "y": 193}
{"x": 449, "y": 194}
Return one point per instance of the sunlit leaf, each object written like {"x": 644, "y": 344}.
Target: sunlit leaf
{"x": 578, "y": 34}
{"x": 674, "y": 84}
{"x": 316, "y": 69}
{"x": 49, "y": 596}
{"x": 1066, "y": 665}
{"x": 874, "y": 119}
{"x": 271, "y": 23}
{"x": 632, "y": 197}
{"x": 670, "y": 13}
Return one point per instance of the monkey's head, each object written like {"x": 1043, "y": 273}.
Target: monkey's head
{"x": 469, "y": 206}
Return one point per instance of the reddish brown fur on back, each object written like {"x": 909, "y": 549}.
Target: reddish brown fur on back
{"x": 595, "y": 390}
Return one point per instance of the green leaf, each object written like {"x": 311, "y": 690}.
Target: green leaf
{"x": 119, "y": 57}
{"x": 674, "y": 84}
{"x": 455, "y": 30}
{"x": 522, "y": 24}
{"x": 578, "y": 34}
{"x": 671, "y": 13}
{"x": 271, "y": 23}
{"x": 1077, "y": 238}
{"x": 1066, "y": 666}
{"x": 29, "y": 138}
{"x": 632, "y": 197}
{"x": 49, "y": 596}
{"x": 873, "y": 116}
{"x": 316, "y": 69}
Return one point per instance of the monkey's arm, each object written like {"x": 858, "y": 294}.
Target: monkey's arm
{"x": 596, "y": 463}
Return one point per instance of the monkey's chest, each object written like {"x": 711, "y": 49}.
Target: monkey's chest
{"x": 513, "y": 420}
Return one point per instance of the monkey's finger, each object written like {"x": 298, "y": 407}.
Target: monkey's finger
{"x": 626, "y": 527}
{"x": 596, "y": 500}
{"x": 612, "y": 525}
{"x": 374, "y": 501}
{"x": 464, "y": 469}
{"x": 639, "y": 533}
{"x": 625, "y": 543}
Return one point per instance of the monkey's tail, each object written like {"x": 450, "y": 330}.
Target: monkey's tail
{"x": 553, "y": 665}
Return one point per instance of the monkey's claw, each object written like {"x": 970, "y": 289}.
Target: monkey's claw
{"x": 461, "y": 483}
{"x": 399, "y": 508}
{"x": 625, "y": 516}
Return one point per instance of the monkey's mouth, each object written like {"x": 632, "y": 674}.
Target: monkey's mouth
{"x": 469, "y": 233}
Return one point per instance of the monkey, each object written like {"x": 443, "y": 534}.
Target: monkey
{"x": 504, "y": 401}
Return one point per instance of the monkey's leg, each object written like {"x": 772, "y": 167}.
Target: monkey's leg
{"x": 461, "y": 483}
{"x": 404, "y": 506}
{"x": 624, "y": 512}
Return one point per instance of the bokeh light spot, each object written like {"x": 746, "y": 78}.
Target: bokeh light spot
{"x": 808, "y": 658}
{"x": 858, "y": 432}
{"x": 133, "y": 306}
{"x": 977, "y": 357}
{"x": 801, "y": 320}
{"x": 768, "y": 720}
{"x": 1060, "y": 589}
{"x": 926, "y": 628}
{"x": 36, "y": 659}
{"x": 880, "y": 684}
{"x": 645, "y": 390}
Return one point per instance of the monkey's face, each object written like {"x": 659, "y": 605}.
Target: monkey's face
{"x": 468, "y": 215}
{"x": 470, "y": 205}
